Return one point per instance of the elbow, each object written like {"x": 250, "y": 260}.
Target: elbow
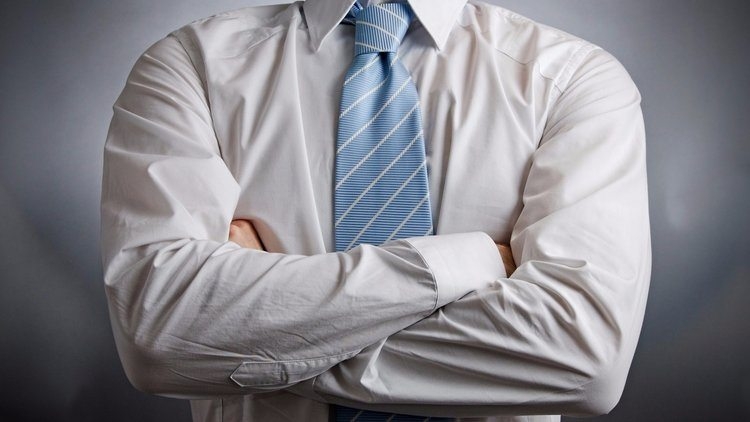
{"x": 603, "y": 381}
{"x": 604, "y": 339}
{"x": 594, "y": 360}
{"x": 144, "y": 359}
{"x": 154, "y": 365}
{"x": 140, "y": 378}
{"x": 145, "y": 366}
{"x": 601, "y": 393}
{"x": 605, "y": 359}
{"x": 150, "y": 364}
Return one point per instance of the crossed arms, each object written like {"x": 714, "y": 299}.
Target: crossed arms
{"x": 196, "y": 315}
{"x": 244, "y": 234}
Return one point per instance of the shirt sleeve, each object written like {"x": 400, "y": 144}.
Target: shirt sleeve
{"x": 195, "y": 315}
{"x": 558, "y": 335}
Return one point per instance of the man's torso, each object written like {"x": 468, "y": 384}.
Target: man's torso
{"x": 274, "y": 104}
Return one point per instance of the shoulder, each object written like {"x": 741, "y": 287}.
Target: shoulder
{"x": 231, "y": 32}
{"x": 555, "y": 54}
{"x": 186, "y": 51}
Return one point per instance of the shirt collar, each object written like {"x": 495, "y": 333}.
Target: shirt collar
{"x": 438, "y": 18}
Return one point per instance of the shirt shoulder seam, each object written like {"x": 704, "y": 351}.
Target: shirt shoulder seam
{"x": 576, "y": 58}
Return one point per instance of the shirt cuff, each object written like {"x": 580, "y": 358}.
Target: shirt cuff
{"x": 460, "y": 263}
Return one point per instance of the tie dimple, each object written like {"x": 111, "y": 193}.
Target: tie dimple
{"x": 381, "y": 28}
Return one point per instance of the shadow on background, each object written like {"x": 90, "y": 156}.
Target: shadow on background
{"x": 57, "y": 359}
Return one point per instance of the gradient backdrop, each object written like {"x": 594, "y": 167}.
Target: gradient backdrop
{"x": 64, "y": 62}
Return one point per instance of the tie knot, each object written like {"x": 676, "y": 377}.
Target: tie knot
{"x": 381, "y": 27}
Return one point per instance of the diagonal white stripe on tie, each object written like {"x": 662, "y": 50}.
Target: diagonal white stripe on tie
{"x": 377, "y": 179}
{"x": 392, "y": 198}
{"x": 369, "y": 122}
{"x": 374, "y": 150}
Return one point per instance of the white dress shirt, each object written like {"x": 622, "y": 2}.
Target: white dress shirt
{"x": 534, "y": 138}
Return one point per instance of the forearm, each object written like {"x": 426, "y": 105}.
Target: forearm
{"x": 200, "y": 317}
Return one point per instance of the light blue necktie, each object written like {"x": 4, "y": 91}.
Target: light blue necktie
{"x": 381, "y": 177}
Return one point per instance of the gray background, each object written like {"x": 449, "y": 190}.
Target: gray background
{"x": 65, "y": 62}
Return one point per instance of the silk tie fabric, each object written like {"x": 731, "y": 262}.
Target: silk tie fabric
{"x": 381, "y": 177}
{"x": 381, "y": 188}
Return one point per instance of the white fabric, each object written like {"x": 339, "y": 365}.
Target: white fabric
{"x": 534, "y": 138}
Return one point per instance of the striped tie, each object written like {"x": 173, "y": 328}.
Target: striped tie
{"x": 381, "y": 177}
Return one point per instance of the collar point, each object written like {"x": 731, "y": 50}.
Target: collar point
{"x": 440, "y": 41}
